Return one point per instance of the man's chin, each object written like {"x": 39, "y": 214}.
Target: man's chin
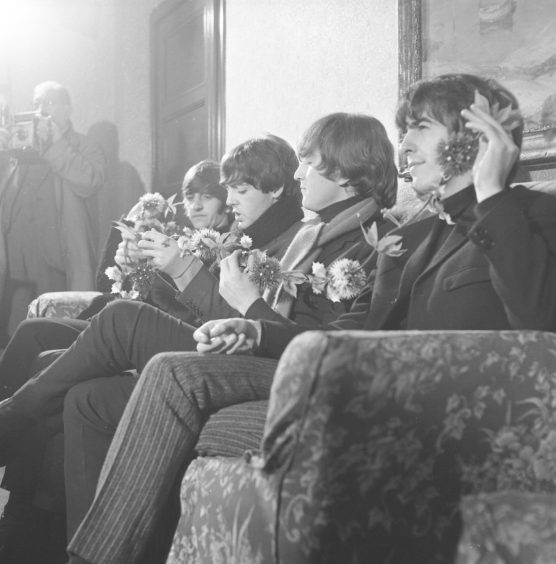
{"x": 423, "y": 192}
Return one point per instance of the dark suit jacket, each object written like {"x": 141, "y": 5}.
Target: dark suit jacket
{"x": 496, "y": 269}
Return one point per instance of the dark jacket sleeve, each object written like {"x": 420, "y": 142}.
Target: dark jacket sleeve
{"x": 516, "y": 232}
{"x": 277, "y": 333}
{"x": 201, "y": 296}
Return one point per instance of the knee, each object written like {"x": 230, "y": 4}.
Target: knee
{"x": 173, "y": 377}
{"x": 120, "y": 315}
{"x": 163, "y": 376}
{"x": 120, "y": 309}
{"x": 82, "y": 404}
{"x": 29, "y": 327}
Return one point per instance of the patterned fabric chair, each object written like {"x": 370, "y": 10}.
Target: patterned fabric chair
{"x": 371, "y": 442}
{"x": 508, "y": 527}
{"x": 61, "y": 304}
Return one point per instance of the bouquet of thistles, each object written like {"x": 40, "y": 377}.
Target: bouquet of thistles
{"x": 152, "y": 211}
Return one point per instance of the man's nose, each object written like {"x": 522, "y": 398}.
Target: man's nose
{"x": 407, "y": 145}
{"x": 197, "y": 202}
{"x": 299, "y": 172}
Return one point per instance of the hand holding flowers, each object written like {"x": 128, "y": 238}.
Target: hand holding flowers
{"x": 209, "y": 246}
{"x": 162, "y": 251}
{"x": 497, "y": 150}
{"x": 237, "y": 285}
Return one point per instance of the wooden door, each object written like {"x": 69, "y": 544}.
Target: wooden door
{"x": 187, "y": 71}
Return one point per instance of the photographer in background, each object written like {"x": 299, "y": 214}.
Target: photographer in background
{"x": 48, "y": 207}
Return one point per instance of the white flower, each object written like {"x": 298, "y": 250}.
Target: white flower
{"x": 116, "y": 288}
{"x": 113, "y": 273}
{"x": 246, "y": 242}
{"x": 346, "y": 280}
{"x": 319, "y": 270}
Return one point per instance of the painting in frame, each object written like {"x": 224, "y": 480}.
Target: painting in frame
{"x": 510, "y": 40}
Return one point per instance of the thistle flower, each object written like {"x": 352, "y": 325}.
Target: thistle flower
{"x": 142, "y": 278}
{"x": 457, "y": 155}
{"x": 208, "y": 245}
{"x": 264, "y": 271}
{"x": 152, "y": 205}
{"x": 204, "y": 244}
{"x": 134, "y": 284}
{"x": 346, "y": 280}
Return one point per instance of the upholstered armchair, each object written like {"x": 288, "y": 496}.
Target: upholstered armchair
{"x": 372, "y": 441}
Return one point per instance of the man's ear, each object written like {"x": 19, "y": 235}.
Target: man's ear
{"x": 345, "y": 184}
{"x": 277, "y": 193}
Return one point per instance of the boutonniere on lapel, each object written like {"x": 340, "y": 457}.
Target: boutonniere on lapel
{"x": 457, "y": 155}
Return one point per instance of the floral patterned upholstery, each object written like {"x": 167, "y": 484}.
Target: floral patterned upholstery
{"x": 508, "y": 528}
{"x": 371, "y": 441}
{"x": 61, "y": 304}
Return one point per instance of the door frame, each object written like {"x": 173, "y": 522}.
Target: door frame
{"x": 214, "y": 19}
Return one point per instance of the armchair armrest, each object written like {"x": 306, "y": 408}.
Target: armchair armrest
{"x": 61, "y": 304}
{"x": 378, "y": 435}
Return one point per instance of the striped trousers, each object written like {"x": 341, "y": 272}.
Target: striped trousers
{"x": 172, "y": 400}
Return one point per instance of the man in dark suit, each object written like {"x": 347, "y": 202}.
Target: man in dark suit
{"x": 487, "y": 261}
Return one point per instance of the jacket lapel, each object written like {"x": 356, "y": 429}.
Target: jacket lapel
{"x": 453, "y": 242}
{"x": 391, "y": 270}
{"x": 395, "y": 283}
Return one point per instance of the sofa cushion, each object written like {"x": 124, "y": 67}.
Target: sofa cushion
{"x": 233, "y": 430}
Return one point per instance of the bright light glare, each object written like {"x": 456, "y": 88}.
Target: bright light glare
{"x": 25, "y": 24}
{"x": 28, "y": 32}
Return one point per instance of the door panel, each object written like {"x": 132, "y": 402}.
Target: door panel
{"x": 187, "y": 87}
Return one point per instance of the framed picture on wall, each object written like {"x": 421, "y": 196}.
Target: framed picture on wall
{"x": 510, "y": 40}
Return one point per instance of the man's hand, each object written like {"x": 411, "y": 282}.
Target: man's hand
{"x": 47, "y": 130}
{"x": 163, "y": 250}
{"x": 229, "y": 336}
{"x": 128, "y": 254}
{"x": 497, "y": 152}
{"x": 235, "y": 286}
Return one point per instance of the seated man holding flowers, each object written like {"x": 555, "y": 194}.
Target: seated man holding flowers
{"x": 488, "y": 263}
{"x": 127, "y": 334}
